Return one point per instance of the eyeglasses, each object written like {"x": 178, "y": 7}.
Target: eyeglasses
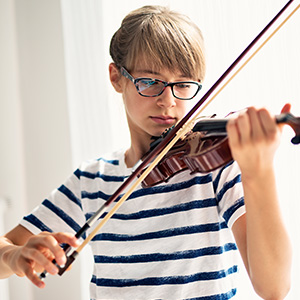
{"x": 149, "y": 87}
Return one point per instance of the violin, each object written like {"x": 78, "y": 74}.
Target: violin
{"x": 204, "y": 149}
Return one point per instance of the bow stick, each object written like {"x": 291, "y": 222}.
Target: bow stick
{"x": 152, "y": 159}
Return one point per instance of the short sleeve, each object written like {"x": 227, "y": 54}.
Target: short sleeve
{"x": 60, "y": 212}
{"x": 229, "y": 193}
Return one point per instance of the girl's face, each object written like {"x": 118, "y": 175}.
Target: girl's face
{"x": 150, "y": 116}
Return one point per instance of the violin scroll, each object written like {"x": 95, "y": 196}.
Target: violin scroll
{"x": 294, "y": 122}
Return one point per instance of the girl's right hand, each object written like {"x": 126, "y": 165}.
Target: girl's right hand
{"x": 37, "y": 253}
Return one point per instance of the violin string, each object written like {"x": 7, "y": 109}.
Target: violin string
{"x": 181, "y": 132}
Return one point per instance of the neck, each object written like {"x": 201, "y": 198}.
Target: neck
{"x": 136, "y": 151}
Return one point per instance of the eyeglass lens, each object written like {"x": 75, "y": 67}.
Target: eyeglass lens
{"x": 150, "y": 87}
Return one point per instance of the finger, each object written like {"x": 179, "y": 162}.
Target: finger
{"x": 233, "y": 133}
{"x": 30, "y": 262}
{"x": 35, "y": 259}
{"x": 52, "y": 242}
{"x": 268, "y": 124}
{"x": 47, "y": 247}
{"x": 66, "y": 238}
{"x": 244, "y": 128}
{"x": 286, "y": 108}
{"x": 257, "y": 130}
{"x": 34, "y": 278}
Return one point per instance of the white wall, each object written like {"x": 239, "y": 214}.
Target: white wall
{"x": 55, "y": 97}
{"x": 12, "y": 175}
{"x": 35, "y": 141}
{"x": 4, "y": 286}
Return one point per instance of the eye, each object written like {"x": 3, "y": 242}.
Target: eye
{"x": 147, "y": 82}
{"x": 183, "y": 85}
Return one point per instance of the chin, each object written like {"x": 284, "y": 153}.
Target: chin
{"x": 159, "y": 132}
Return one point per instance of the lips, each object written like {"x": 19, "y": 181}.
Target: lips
{"x": 164, "y": 120}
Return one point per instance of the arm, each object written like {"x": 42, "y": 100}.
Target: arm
{"x": 24, "y": 254}
{"x": 260, "y": 234}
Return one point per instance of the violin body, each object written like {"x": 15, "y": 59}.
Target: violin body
{"x": 197, "y": 153}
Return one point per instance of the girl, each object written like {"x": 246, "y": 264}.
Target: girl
{"x": 177, "y": 240}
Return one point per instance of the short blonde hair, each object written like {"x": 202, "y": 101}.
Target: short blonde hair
{"x": 171, "y": 40}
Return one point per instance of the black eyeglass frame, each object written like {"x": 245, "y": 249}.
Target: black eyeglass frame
{"x": 126, "y": 74}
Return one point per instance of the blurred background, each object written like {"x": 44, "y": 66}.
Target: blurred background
{"x": 58, "y": 108}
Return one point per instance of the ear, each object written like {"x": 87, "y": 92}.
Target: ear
{"x": 115, "y": 77}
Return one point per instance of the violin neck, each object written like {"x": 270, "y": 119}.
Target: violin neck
{"x": 215, "y": 125}
{"x": 219, "y": 125}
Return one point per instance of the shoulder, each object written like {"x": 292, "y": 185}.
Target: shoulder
{"x": 106, "y": 163}
{"x": 105, "y": 172}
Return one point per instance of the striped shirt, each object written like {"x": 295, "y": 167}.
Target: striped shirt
{"x": 170, "y": 241}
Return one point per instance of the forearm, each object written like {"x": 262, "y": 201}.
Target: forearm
{"x": 268, "y": 244}
{"x": 6, "y": 246}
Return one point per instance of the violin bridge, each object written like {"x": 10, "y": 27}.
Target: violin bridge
{"x": 185, "y": 129}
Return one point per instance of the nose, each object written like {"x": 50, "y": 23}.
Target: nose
{"x": 166, "y": 99}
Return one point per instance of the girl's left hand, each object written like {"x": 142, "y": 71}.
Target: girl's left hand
{"x": 253, "y": 139}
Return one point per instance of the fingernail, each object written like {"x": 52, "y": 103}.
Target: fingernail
{"x": 54, "y": 270}
{"x": 41, "y": 284}
{"x": 61, "y": 261}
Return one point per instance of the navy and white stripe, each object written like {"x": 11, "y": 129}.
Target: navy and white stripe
{"x": 171, "y": 241}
